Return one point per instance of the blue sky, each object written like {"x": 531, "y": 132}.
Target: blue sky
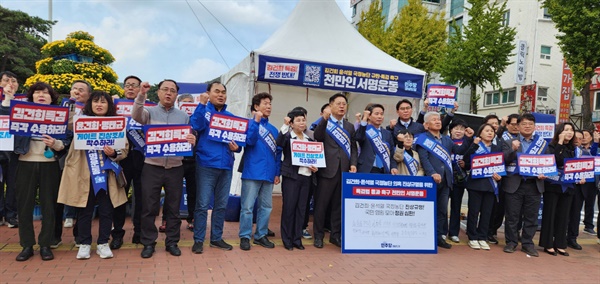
{"x": 163, "y": 39}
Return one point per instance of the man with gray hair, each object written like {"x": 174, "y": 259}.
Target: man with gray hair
{"x": 435, "y": 151}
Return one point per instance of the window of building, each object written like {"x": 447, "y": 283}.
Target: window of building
{"x": 402, "y": 4}
{"x": 542, "y": 94}
{"x": 433, "y": 1}
{"x": 459, "y": 23}
{"x": 545, "y": 52}
{"x": 500, "y": 98}
{"x": 353, "y": 11}
{"x": 546, "y": 14}
{"x": 385, "y": 8}
{"x": 506, "y": 18}
{"x": 597, "y": 101}
{"x": 456, "y": 7}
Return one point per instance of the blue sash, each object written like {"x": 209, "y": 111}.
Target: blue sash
{"x": 382, "y": 150}
{"x": 135, "y": 135}
{"x": 98, "y": 175}
{"x": 578, "y": 152}
{"x": 507, "y": 136}
{"x": 482, "y": 150}
{"x": 435, "y": 148}
{"x": 267, "y": 138}
{"x": 411, "y": 164}
{"x": 340, "y": 136}
{"x": 538, "y": 146}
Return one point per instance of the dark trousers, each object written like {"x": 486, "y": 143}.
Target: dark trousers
{"x": 497, "y": 214}
{"x": 153, "y": 179}
{"x": 443, "y": 193}
{"x": 524, "y": 202}
{"x": 589, "y": 191}
{"x": 328, "y": 194}
{"x": 479, "y": 215}
{"x": 294, "y": 193}
{"x": 575, "y": 213}
{"x": 8, "y": 199}
{"x": 555, "y": 216}
{"x": 189, "y": 173}
{"x": 132, "y": 168}
{"x": 30, "y": 177}
{"x": 456, "y": 197}
{"x": 311, "y": 191}
{"x": 84, "y": 220}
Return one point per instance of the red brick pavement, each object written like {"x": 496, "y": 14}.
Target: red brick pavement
{"x": 327, "y": 265}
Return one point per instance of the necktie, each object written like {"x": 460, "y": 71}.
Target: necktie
{"x": 405, "y": 125}
{"x": 340, "y": 123}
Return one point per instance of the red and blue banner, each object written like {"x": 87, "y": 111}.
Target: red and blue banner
{"x": 441, "y": 96}
{"x": 534, "y": 165}
{"x": 338, "y": 77}
{"x": 95, "y": 132}
{"x": 167, "y": 140}
{"x": 7, "y": 141}
{"x": 226, "y": 128}
{"x": 576, "y": 169}
{"x": 484, "y": 166}
{"x": 35, "y": 120}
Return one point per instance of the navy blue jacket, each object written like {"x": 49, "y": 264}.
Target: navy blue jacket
{"x": 433, "y": 165}
{"x": 367, "y": 153}
{"x": 479, "y": 184}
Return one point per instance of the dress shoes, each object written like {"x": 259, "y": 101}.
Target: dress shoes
{"x": 148, "y": 251}
{"x": 443, "y": 244}
{"x": 136, "y": 239}
{"x": 574, "y": 245}
{"x": 116, "y": 243}
{"x": 492, "y": 240}
{"x": 46, "y": 253}
{"x": 245, "y": 244}
{"x": 264, "y": 242}
{"x": 563, "y": 253}
{"x": 300, "y": 246}
{"x": 554, "y": 253}
{"x": 270, "y": 233}
{"x": 509, "y": 248}
{"x": 173, "y": 250}
{"x": 318, "y": 243}
{"x": 198, "y": 247}
{"x": 288, "y": 247}
{"x": 336, "y": 241}
{"x": 25, "y": 254}
{"x": 530, "y": 251}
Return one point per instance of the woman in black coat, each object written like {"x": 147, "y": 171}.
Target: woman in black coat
{"x": 481, "y": 190}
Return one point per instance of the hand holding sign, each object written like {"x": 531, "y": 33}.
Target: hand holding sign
{"x": 496, "y": 177}
{"x": 233, "y": 146}
{"x": 48, "y": 140}
{"x": 455, "y": 107}
{"x": 352, "y": 169}
{"x": 191, "y": 138}
{"x": 109, "y": 151}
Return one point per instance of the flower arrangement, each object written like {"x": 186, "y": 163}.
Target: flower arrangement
{"x": 62, "y": 82}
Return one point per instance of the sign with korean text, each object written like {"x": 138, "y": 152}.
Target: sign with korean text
{"x": 31, "y": 119}
{"x": 545, "y": 130}
{"x": 125, "y": 106}
{"x": 188, "y": 108}
{"x": 338, "y": 77}
{"x": 441, "y": 96}
{"x": 528, "y": 98}
{"x": 18, "y": 97}
{"x": 521, "y": 62}
{"x": 388, "y": 214}
{"x": 307, "y": 153}
{"x": 566, "y": 92}
{"x": 167, "y": 140}
{"x": 534, "y": 165}
{"x": 226, "y": 128}
{"x": 484, "y": 166}
{"x": 7, "y": 141}
{"x": 95, "y": 132}
{"x": 78, "y": 107}
{"x": 576, "y": 169}
{"x": 597, "y": 165}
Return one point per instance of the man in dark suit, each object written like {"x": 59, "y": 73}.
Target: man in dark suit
{"x": 434, "y": 151}
{"x": 376, "y": 144}
{"x": 405, "y": 120}
{"x": 522, "y": 194}
{"x": 340, "y": 156}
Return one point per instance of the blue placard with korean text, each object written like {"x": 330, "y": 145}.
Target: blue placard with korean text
{"x": 167, "y": 140}
{"x": 576, "y": 169}
{"x": 388, "y": 213}
{"x": 31, "y": 119}
{"x": 441, "y": 95}
{"x": 226, "y": 128}
{"x": 534, "y": 165}
{"x": 338, "y": 77}
{"x": 485, "y": 165}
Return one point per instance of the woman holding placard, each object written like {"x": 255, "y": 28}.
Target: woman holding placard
{"x": 295, "y": 184}
{"x": 482, "y": 191}
{"x": 79, "y": 189}
{"x": 558, "y": 196}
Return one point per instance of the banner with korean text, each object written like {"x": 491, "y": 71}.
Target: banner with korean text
{"x": 338, "y": 77}
{"x": 441, "y": 96}
{"x": 31, "y": 119}
{"x": 534, "y": 165}
{"x": 7, "y": 141}
{"x": 484, "y": 166}
{"x": 226, "y": 128}
{"x": 188, "y": 108}
{"x": 576, "y": 169}
{"x": 566, "y": 92}
{"x": 95, "y": 132}
{"x": 597, "y": 165}
{"x": 307, "y": 153}
{"x": 388, "y": 214}
{"x": 167, "y": 140}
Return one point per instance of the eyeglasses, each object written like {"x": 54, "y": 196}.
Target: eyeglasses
{"x": 405, "y": 108}
{"x": 166, "y": 90}
{"x": 131, "y": 86}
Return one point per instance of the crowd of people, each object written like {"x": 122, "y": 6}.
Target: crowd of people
{"x": 59, "y": 176}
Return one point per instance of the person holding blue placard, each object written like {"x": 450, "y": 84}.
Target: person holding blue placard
{"x": 523, "y": 193}
{"x": 8, "y": 159}
{"x": 89, "y": 179}
{"x": 159, "y": 172}
{"x": 558, "y": 195}
{"x": 458, "y": 127}
{"x": 482, "y": 191}
{"x": 406, "y": 157}
{"x": 376, "y": 143}
{"x": 38, "y": 169}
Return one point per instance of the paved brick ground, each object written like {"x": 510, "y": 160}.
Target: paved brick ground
{"x": 327, "y": 265}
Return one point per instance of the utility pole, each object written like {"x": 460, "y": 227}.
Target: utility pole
{"x": 50, "y": 19}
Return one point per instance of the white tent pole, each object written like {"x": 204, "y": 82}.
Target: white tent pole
{"x": 252, "y": 81}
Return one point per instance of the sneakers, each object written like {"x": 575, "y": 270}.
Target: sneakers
{"x": 264, "y": 242}
{"x": 492, "y": 240}
{"x": 484, "y": 245}
{"x": 163, "y": 227}
{"x": 103, "y": 250}
{"x": 68, "y": 223}
{"x": 12, "y": 223}
{"x": 245, "y": 244}
{"x": 198, "y": 247}
{"x": 84, "y": 252}
{"x": 474, "y": 244}
{"x": 55, "y": 245}
{"x": 589, "y": 231}
{"x": 220, "y": 244}
{"x": 455, "y": 239}
{"x": 306, "y": 234}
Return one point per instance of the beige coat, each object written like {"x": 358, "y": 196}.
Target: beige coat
{"x": 75, "y": 183}
{"x": 399, "y": 157}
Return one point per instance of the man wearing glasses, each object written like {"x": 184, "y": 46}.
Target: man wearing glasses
{"x": 161, "y": 172}
{"x": 405, "y": 120}
{"x": 8, "y": 160}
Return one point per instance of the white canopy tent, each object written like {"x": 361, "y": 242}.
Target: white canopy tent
{"x": 317, "y": 34}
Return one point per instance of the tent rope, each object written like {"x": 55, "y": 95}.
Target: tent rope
{"x": 207, "y": 34}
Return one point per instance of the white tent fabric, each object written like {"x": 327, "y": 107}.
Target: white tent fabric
{"x": 315, "y": 31}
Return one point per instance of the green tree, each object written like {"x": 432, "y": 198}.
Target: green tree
{"x": 21, "y": 37}
{"x": 417, "y": 38}
{"x": 372, "y": 25}
{"x": 579, "y": 26}
{"x": 479, "y": 53}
